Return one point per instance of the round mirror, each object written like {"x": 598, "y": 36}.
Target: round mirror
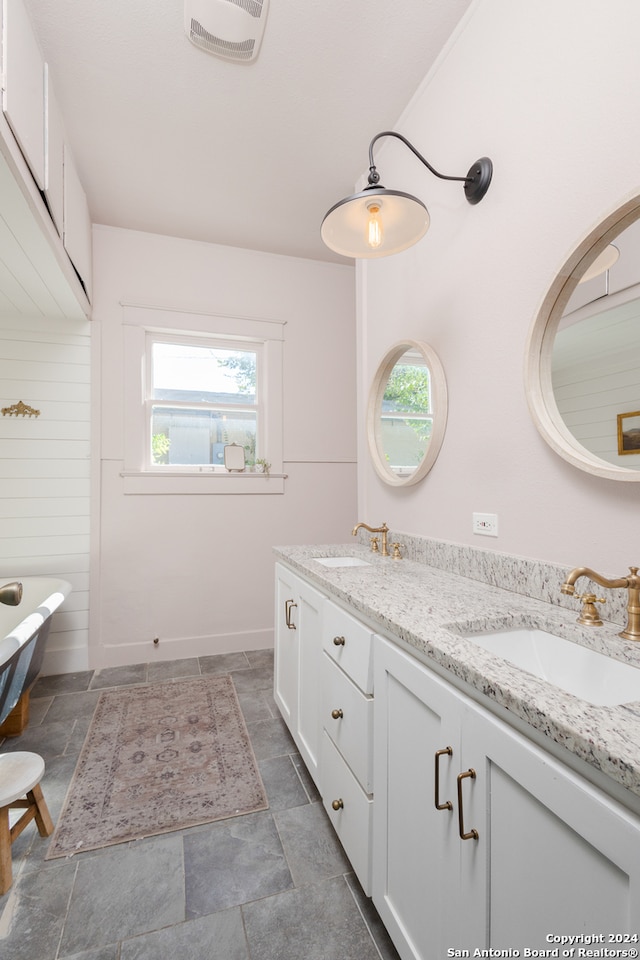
{"x": 583, "y": 356}
{"x": 407, "y": 413}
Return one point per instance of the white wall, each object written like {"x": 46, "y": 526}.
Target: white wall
{"x": 197, "y": 571}
{"x": 44, "y": 470}
{"x": 545, "y": 90}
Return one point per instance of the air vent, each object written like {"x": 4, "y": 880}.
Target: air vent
{"x": 231, "y": 29}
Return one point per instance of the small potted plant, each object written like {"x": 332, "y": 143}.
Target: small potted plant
{"x": 262, "y": 466}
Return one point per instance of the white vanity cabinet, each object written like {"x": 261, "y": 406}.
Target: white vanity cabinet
{"x": 346, "y": 752}
{"x": 552, "y": 856}
{"x": 298, "y": 651}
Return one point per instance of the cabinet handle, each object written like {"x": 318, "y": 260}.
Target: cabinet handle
{"x": 471, "y": 834}
{"x": 339, "y": 641}
{"x": 447, "y": 805}
{"x": 337, "y": 714}
{"x": 338, "y": 804}
{"x": 288, "y": 606}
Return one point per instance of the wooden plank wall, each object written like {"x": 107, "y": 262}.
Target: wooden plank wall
{"x": 44, "y": 470}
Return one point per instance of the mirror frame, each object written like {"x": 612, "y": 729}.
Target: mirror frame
{"x": 537, "y": 373}
{"x": 374, "y": 410}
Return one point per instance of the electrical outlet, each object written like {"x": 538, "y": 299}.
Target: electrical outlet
{"x": 485, "y": 524}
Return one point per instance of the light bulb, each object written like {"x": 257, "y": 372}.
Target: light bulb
{"x": 374, "y": 227}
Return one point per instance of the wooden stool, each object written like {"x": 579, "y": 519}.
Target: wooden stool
{"x": 20, "y": 776}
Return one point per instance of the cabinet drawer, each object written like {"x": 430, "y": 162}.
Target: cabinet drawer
{"x": 349, "y": 643}
{"x": 353, "y": 819}
{"x": 352, "y": 730}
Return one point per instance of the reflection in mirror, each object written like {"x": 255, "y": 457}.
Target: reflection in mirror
{"x": 407, "y": 413}
{"x": 583, "y": 365}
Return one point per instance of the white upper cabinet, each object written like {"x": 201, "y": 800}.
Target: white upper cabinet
{"x": 23, "y": 86}
{"x": 77, "y": 222}
{"x": 53, "y": 154}
{"x": 39, "y": 276}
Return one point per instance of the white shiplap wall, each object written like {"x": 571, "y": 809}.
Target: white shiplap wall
{"x": 44, "y": 470}
{"x": 596, "y": 374}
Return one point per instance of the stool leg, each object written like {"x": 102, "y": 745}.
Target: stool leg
{"x": 42, "y": 815}
{"x": 5, "y": 851}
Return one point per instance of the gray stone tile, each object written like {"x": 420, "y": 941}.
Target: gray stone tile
{"x": 219, "y": 936}
{"x": 270, "y": 738}
{"x": 33, "y": 912}
{"x": 49, "y": 740}
{"x": 255, "y": 706}
{"x": 223, "y": 663}
{"x": 231, "y": 862}
{"x": 261, "y": 658}
{"x": 316, "y": 922}
{"x": 72, "y": 706}
{"x": 253, "y": 679}
{"x": 173, "y": 669}
{"x": 61, "y": 683}
{"x": 310, "y": 843}
{"x": 119, "y": 676}
{"x": 371, "y": 917}
{"x": 282, "y": 783}
{"x": 124, "y": 891}
{"x": 305, "y": 778}
{"x": 38, "y": 710}
{"x": 109, "y": 952}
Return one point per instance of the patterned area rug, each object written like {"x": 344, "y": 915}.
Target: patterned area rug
{"x": 159, "y": 757}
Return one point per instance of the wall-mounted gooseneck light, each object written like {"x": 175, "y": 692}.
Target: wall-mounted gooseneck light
{"x": 378, "y": 222}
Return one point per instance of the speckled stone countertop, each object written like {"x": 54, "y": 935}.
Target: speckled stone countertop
{"x": 432, "y": 610}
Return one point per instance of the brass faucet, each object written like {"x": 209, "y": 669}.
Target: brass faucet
{"x": 630, "y": 583}
{"x": 11, "y": 593}
{"x": 384, "y": 529}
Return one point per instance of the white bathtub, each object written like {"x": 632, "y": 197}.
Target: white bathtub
{"x": 23, "y": 635}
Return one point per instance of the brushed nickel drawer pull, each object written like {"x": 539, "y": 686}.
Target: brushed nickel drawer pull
{"x": 470, "y": 834}
{"x": 288, "y": 606}
{"x": 447, "y": 805}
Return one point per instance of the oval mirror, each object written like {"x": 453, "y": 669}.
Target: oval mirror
{"x": 407, "y": 413}
{"x": 583, "y": 355}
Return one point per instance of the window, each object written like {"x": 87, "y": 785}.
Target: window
{"x": 192, "y": 384}
{"x": 200, "y": 397}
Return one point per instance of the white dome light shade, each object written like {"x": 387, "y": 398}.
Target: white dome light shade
{"x": 400, "y": 221}
{"x": 603, "y": 262}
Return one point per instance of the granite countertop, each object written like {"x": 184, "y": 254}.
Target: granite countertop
{"x": 432, "y": 610}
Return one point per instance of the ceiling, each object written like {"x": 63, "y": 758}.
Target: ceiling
{"x": 171, "y": 140}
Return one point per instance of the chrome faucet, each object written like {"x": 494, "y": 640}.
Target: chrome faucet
{"x": 630, "y": 583}
{"x": 384, "y": 529}
{"x": 11, "y": 593}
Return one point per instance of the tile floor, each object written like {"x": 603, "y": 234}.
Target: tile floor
{"x": 274, "y": 885}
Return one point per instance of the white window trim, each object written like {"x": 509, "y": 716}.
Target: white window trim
{"x": 138, "y": 477}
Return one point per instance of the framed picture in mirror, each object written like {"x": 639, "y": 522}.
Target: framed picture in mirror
{"x": 629, "y": 432}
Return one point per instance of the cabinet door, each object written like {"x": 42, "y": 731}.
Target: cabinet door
{"x": 309, "y": 726}
{"x": 298, "y": 651}
{"x": 286, "y": 645}
{"x": 416, "y": 846}
{"x": 23, "y": 90}
{"x": 563, "y": 857}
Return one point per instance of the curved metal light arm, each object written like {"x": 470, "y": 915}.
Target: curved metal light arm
{"x": 374, "y": 176}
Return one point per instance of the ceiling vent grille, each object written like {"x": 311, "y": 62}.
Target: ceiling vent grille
{"x": 231, "y": 29}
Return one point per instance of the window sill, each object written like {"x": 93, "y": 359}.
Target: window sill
{"x": 205, "y": 483}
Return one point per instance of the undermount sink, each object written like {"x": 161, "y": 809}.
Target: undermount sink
{"x": 342, "y": 562}
{"x": 577, "y": 670}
